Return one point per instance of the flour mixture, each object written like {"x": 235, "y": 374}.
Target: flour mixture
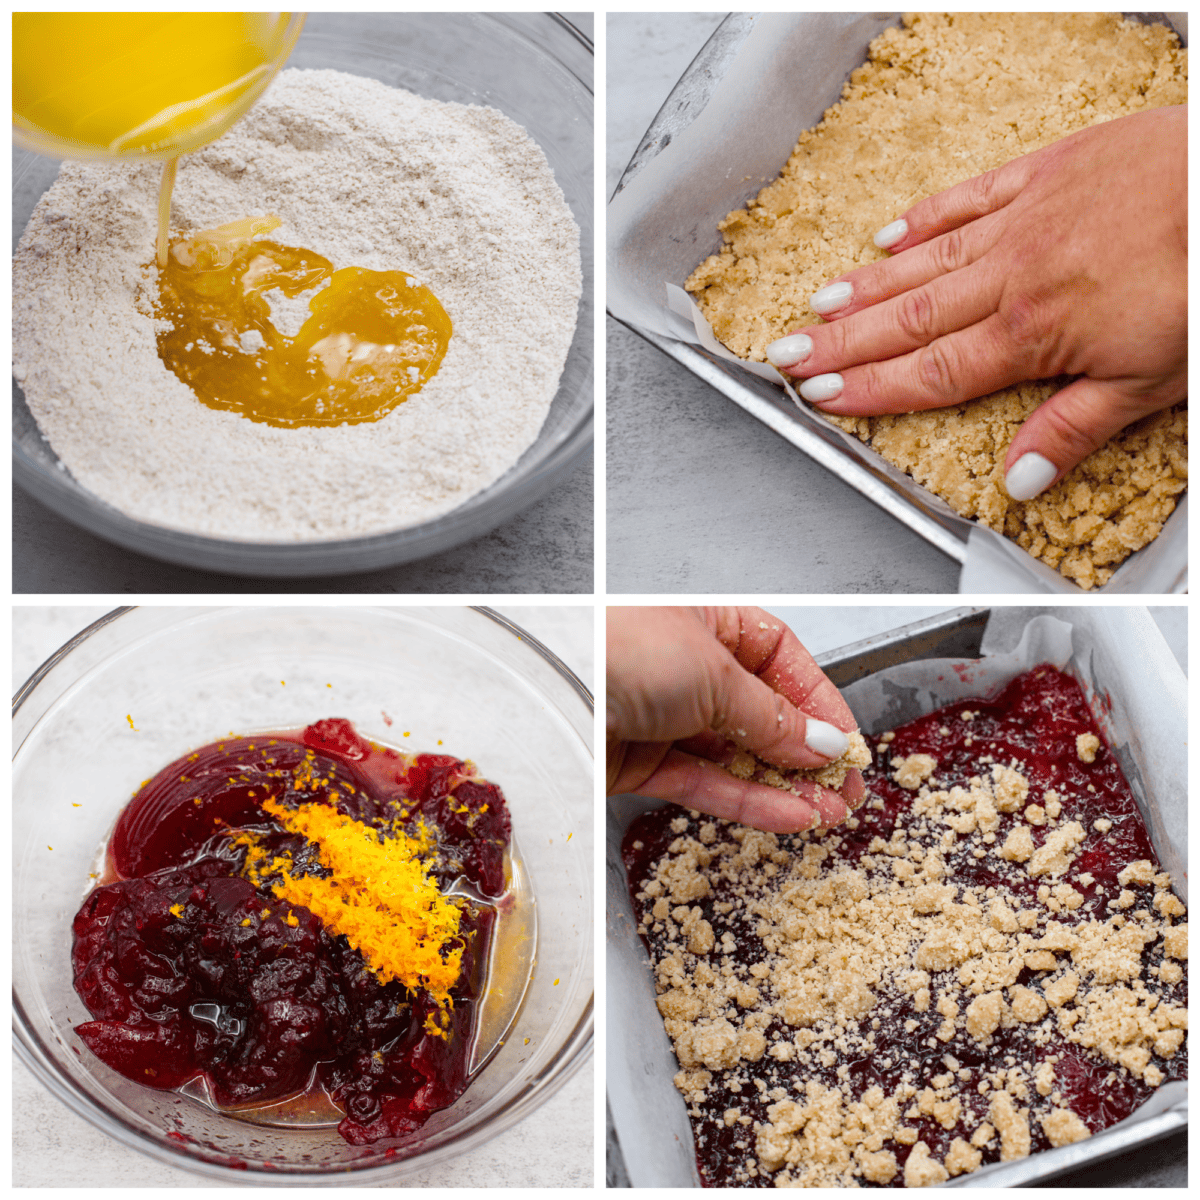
{"x": 459, "y": 197}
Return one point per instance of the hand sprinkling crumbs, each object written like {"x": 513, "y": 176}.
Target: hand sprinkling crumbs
{"x": 707, "y": 706}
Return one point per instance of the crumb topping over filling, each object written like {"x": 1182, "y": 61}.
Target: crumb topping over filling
{"x": 959, "y": 975}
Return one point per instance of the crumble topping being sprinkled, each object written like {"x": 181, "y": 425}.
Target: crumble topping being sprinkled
{"x": 975, "y": 967}
{"x": 746, "y": 765}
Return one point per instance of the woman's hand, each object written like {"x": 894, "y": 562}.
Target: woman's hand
{"x": 1069, "y": 261}
{"x": 687, "y": 687}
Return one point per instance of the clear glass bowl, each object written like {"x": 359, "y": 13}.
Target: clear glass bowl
{"x": 274, "y": 34}
{"x": 537, "y": 69}
{"x": 187, "y": 676}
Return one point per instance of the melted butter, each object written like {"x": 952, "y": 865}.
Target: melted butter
{"x": 165, "y": 188}
{"x": 371, "y": 339}
{"x": 140, "y": 84}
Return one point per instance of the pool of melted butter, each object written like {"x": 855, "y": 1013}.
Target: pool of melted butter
{"x": 371, "y": 339}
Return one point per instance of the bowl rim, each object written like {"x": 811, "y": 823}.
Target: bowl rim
{"x": 576, "y": 1050}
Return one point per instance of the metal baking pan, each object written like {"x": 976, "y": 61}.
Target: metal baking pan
{"x": 658, "y": 1151}
{"x": 1148, "y": 570}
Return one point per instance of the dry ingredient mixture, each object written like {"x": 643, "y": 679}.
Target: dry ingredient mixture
{"x": 304, "y": 917}
{"x": 941, "y": 100}
{"x": 984, "y": 962}
{"x": 458, "y": 198}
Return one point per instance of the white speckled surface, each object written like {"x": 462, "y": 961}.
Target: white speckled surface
{"x": 553, "y": 1147}
{"x": 778, "y": 522}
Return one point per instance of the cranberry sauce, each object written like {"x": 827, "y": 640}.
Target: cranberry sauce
{"x": 192, "y": 973}
{"x": 1034, "y": 722}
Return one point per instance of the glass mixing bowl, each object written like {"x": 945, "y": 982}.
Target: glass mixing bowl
{"x": 534, "y": 67}
{"x": 193, "y": 121}
{"x": 187, "y": 676}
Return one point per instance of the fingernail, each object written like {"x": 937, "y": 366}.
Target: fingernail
{"x": 824, "y": 738}
{"x": 822, "y": 387}
{"x": 1029, "y": 476}
{"x": 789, "y": 351}
{"x": 889, "y": 235}
{"x": 831, "y": 298}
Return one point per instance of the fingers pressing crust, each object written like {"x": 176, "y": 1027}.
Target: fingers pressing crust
{"x": 905, "y": 323}
{"x": 966, "y": 201}
{"x": 1074, "y": 422}
{"x": 950, "y": 370}
{"x": 891, "y": 277}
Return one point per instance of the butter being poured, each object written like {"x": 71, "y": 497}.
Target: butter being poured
{"x": 372, "y": 338}
{"x": 160, "y": 85}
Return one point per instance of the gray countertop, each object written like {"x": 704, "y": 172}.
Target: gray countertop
{"x": 778, "y": 518}
{"x": 547, "y": 549}
{"x": 551, "y": 1147}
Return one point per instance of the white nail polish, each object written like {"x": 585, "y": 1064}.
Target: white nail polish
{"x": 1029, "y": 476}
{"x": 822, "y": 387}
{"x": 790, "y": 350}
{"x": 824, "y": 738}
{"x": 889, "y": 235}
{"x": 831, "y": 298}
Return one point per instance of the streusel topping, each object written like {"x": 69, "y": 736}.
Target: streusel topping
{"x": 978, "y": 965}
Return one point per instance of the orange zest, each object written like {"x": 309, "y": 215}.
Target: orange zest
{"x": 379, "y": 895}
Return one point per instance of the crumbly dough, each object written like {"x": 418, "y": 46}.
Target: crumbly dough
{"x": 1064, "y": 1128}
{"x": 857, "y": 755}
{"x": 841, "y": 946}
{"x": 911, "y": 772}
{"x": 943, "y": 99}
